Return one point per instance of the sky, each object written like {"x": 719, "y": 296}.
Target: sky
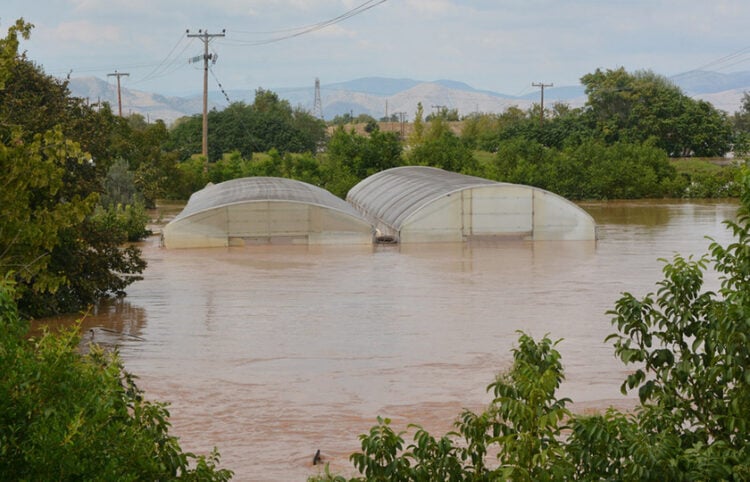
{"x": 498, "y": 45}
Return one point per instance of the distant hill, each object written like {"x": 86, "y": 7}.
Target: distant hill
{"x": 377, "y": 95}
{"x": 150, "y": 105}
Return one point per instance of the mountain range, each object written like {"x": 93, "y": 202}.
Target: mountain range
{"x": 378, "y": 96}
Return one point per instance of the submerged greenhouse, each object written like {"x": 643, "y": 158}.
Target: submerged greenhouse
{"x": 417, "y": 204}
{"x": 265, "y": 210}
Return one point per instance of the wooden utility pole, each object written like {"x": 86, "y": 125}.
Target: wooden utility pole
{"x": 206, "y": 38}
{"x": 542, "y": 85}
{"x": 119, "y": 96}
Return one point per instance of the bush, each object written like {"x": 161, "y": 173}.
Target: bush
{"x": 128, "y": 222}
{"x": 590, "y": 170}
{"x": 67, "y": 416}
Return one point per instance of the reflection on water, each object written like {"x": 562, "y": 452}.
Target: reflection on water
{"x": 273, "y": 352}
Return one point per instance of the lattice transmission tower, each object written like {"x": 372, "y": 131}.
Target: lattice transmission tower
{"x": 317, "y": 104}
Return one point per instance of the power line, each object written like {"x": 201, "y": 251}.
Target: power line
{"x": 296, "y": 32}
{"x": 221, "y": 87}
{"x": 717, "y": 63}
{"x": 153, "y": 72}
{"x": 171, "y": 63}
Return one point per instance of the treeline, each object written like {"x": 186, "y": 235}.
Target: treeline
{"x": 622, "y": 144}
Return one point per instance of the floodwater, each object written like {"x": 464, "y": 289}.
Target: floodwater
{"x": 273, "y": 352}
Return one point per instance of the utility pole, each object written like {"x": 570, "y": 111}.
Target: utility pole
{"x": 542, "y": 85}
{"x": 439, "y": 109}
{"x": 119, "y": 96}
{"x": 206, "y": 38}
{"x": 402, "y": 116}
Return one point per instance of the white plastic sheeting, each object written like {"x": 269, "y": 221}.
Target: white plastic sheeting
{"x": 265, "y": 210}
{"x": 425, "y": 204}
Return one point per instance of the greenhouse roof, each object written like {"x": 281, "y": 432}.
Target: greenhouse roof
{"x": 393, "y": 195}
{"x": 258, "y": 189}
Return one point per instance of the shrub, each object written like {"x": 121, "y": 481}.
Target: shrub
{"x": 68, "y": 416}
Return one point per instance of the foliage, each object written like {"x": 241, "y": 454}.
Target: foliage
{"x": 365, "y": 155}
{"x": 9, "y": 48}
{"x": 67, "y": 416}
{"x": 523, "y": 425}
{"x": 529, "y": 417}
{"x": 269, "y": 123}
{"x": 590, "y": 170}
{"x": 691, "y": 349}
{"x": 192, "y": 176}
{"x": 379, "y": 459}
{"x": 634, "y": 107}
{"x": 418, "y": 126}
{"x": 60, "y": 257}
{"x": 439, "y": 147}
{"x": 700, "y": 178}
{"x": 127, "y": 221}
{"x": 442, "y": 112}
{"x": 33, "y": 218}
{"x": 119, "y": 185}
{"x": 140, "y": 144}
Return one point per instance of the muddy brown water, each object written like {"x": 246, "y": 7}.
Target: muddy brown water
{"x": 273, "y": 352}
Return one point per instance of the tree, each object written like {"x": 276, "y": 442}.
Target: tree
{"x": 589, "y": 170}
{"x": 444, "y": 113}
{"x": 32, "y": 215}
{"x": 741, "y": 124}
{"x": 418, "y": 126}
{"x": 365, "y": 155}
{"x": 269, "y": 123}
{"x": 633, "y": 107}
{"x": 58, "y": 254}
{"x": 443, "y": 149}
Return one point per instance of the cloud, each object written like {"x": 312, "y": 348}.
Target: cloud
{"x": 83, "y": 31}
{"x": 335, "y": 31}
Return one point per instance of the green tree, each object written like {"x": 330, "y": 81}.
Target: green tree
{"x": 741, "y": 124}
{"x": 633, "y": 107}
{"x": 589, "y": 170}
{"x": 365, "y": 155}
{"x": 523, "y": 424}
{"x": 33, "y": 218}
{"x": 443, "y": 149}
{"x": 269, "y": 123}
{"x": 141, "y": 145}
{"x": 418, "y": 126}
{"x": 49, "y": 243}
